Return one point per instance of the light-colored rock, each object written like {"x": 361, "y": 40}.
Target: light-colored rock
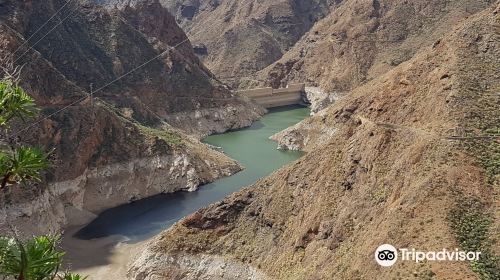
{"x": 77, "y": 201}
{"x": 388, "y": 174}
{"x": 203, "y": 122}
{"x": 303, "y": 136}
{"x": 319, "y": 99}
{"x": 190, "y": 267}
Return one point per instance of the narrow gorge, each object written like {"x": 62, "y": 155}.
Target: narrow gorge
{"x": 131, "y": 141}
{"x": 171, "y": 156}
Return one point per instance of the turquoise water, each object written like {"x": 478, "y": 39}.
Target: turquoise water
{"x": 251, "y": 147}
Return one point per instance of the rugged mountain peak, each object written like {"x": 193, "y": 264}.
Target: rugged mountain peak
{"x": 153, "y": 20}
{"x": 242, "y": 37}
{"x": 294, "y": 41}
{"x": 360, "y": 40}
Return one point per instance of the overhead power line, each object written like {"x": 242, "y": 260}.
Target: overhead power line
{"x": 42, "y": 26}
{"x": 108, "y": 84}
{"x": 43, "y": 37}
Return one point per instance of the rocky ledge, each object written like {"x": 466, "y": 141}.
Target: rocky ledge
{"x": 191, "y": 267}
{"x": 305, "y": 135}
{"x": 83, "y": 191}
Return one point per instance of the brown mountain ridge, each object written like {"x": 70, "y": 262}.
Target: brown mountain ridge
{"x": 138, "y": 121}
{"x": 407, "y": 165}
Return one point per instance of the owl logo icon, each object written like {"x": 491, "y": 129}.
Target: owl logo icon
{"x": 386, "y": 255}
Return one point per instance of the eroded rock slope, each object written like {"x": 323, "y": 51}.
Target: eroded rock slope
{"x": 235, "y": 39}
{"x": 362, "y": 39}
{"x": 412, "y": 161}
{"x": 130, "y": 140}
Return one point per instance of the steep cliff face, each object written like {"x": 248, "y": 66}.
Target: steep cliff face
{"x": 129, "y": 141}
{"x": 362, "y": 39}
{"x": 97, "y": 46}
{"x": 336, "y": 45}
{"x": 412, "y": 160}
{"x": 237, "y": 38}
{"x": 102, "y": 160}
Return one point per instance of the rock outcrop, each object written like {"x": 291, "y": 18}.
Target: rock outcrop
{"x": 305, "y": 135}
{"x": 192, "y": 267}
{"x": 361, "y": 39}
{"x": 130, "y": 140}
{"x": 331, "y": 44}
{"x": 319, "y": 99}
{"x": 242, "y": 37}
{"x": 412, "y": 161}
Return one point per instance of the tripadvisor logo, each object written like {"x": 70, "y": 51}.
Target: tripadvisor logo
{"x": 387, "y": 255}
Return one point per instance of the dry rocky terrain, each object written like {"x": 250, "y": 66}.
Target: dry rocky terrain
{"x": 238, "y": 38}
{"x": 410, "y": 157}
{"x": 361, "y": 39}
{"x": 408, "y": 154}
{"x": 334, "y": 44}
{"x": 131, "y": 140}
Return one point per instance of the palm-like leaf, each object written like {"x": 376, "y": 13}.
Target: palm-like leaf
{"x": 37, "y": 259}
{"x": 23, "y": 165}
{"x": 10, "y": 257}
{"x": 28, "y": 162}
{"x": 42, "y": 257}
{"x": 5, "y": 162}
{"x": 14, "y": 102}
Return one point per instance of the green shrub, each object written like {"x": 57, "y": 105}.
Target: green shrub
{"x": 471, "y": 227}
{"x": 36, "y": 258}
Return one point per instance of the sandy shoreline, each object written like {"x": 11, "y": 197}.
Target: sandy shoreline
{"x": 102, "y": 258}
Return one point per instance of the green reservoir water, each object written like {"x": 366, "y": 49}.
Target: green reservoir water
{"x": 251, "y": 147}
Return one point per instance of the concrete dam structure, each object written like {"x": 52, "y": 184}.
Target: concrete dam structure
{"x": 269, "y": 97}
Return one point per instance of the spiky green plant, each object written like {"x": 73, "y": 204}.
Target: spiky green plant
{"x": 14, "y": 102}
{"x": 24, "y": 164}
{"x": 36, "y": 258}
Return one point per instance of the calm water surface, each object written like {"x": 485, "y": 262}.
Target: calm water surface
{"x": 251, "y": 147}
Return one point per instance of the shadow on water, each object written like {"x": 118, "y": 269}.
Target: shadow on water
{"x": 142, "y": 214}
{"x": 145, "y": 218}
{"x": 254, "y": 126}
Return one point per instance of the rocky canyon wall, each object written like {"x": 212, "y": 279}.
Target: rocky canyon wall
{"x": 409, "y": 158}
{"x": 138, "y": 136}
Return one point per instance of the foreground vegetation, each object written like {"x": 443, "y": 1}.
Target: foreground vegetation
{"x": 35, "y": 258}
